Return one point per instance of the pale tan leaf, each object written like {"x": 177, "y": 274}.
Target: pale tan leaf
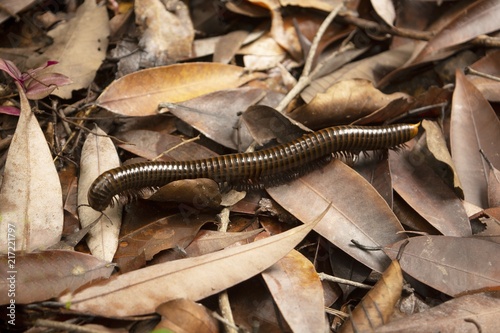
{"x": 192, "y": 278}
{"x": 99, "y": 155}
{"x": 79, "y": 46}
{"x": 385, "y": 9}
{"x": 298, "y": 293}
{"x": 139, "y": 93}
{"x": 31, "y": 195}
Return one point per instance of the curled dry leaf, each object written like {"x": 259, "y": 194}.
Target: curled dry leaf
{"x": 452, "y": 265}
{"x": 31, "y": 195}
{"x": 99, "y": 155}
{"x": 377, "y": 306}
{"x": 139, "y": 93}
{"x": 167, "y": 31}
{"x": 185, "y": 316}
{"x": 357, "y": 211}
{"x": 44, "y": 275}
{"x": 136, "y": 292}
{"x": 200, "y": 192}
{"x": 79, "y": 46}
{"x": 436, "y": 143}
{"x": 463, "y": 314}
{"x": 474, "y": 127}
{"x": 343, "y": 103}
{"x": 385, "y": 9}
{"x": 298, "y": 292}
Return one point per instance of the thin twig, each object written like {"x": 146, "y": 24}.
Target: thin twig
{"x": 469, "y": 70}
{"x": 305, "y": 79}
{"x": 331, "y": 278}
{"x": 66, "y": 326}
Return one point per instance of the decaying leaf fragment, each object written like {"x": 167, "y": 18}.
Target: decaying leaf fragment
{"x": 30, "y": 197}
{"x": 378, "y": 304}
{"x": 184, "y": 316}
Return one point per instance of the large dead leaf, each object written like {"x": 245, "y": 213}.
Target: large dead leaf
{"x": 43, "y": 275}
{"x": 343, "y": 103}
{"x": 298, "y": 293}
{"x": 357, "y": 211}
{"x": 376, "y": 307}
{"x": 451, "y": 265}
{"x": 99, "y": 155}
{"x": 427, "y": 194}
{"x": 139, "y": 93}
{"x": 480, "y": 17}
{"x": 80, "y": 46}
{"x": 216, "y": 115}
{"x": 30, "y": 196}
{"x": 136, "y": 292}
{"x": 463, "y": 314}
{"x": 474, "y": 127}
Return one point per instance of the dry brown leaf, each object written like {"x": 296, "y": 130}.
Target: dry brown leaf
{"x": 284, "y": 35}
{"x": 216, "y": 115}
{"x": 142, "y": 244}
{"x": 139, "y": 93}
{"x": 493, "y": 186}
{"x": 343, "y": 103}
{"x": 489, "y": 64}
{"x": 185, "y": 316}
{"x": 191, "y": 278}
{"x": 30, "y": 195}
{"x": 376, "y": 307}
{"x": 43, "y": 275}
{"x": 478, "y": 18}
{"x": 452, "y": 265}
{"x": 427, "y": 194}
{"x": 372, "y": 69}
{"x": 436, "y": 143}
{"x": 154, "y": 145}
{"x": 227, "y": 46}
{"x": 474, "y": 127}
{"x": 298, "y": 293}
{"x": 357, "y": 211}
{"x": 200, "y": 192}
{"x": 99, "y": 155}
{"x": 80, "y": 46}
{"x": 167, "y": 31}
{"x": 464, "y": 314}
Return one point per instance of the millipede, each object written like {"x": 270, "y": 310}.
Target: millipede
{"x": 262, "y": 168}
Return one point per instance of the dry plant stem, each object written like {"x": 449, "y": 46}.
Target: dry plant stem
{"x": 305, "y": 79}
{"x": 224, "y": 304}
{"x": 177, "y": 146}
{"x": 330, "y": 278}
{"x": 65, "y": 326}
{"x": 469, "y": 70}
{"x": 373, "y": 26}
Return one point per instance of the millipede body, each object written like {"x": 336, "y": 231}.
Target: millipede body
{"x": 262, "y": 168}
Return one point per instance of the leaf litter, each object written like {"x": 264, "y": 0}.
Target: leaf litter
{"x": 172, "y": 84}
